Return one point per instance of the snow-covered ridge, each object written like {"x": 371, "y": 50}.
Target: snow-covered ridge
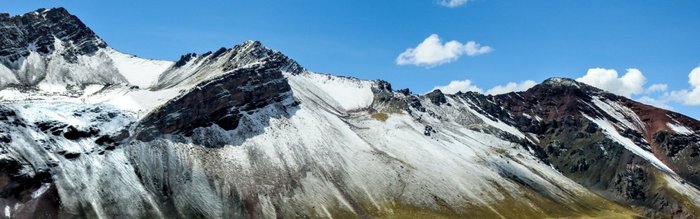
{"x": 193, "y": 69}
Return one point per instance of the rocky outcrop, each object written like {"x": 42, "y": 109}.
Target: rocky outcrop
{"x": 436, "y": 97}
{"x": 41, "y": 29}
{"x": 220, "y": 101}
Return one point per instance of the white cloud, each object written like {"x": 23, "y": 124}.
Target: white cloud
{"x": 686, "y": 97}
{"x": 511, "y": 87}
{"x": 661, "y": 103}
{"x": 694, "y": 77}
{"x": 457, "y": 86}
{"x": 467, "y": 85}
{"x": 432, "y": 52}
{"x": 692, "y": 96}
{"x": 629, "y": 84}
{"x": 656, "y": 88}
{"x": 607, "y": 79}
{"x": 452, "y": 3}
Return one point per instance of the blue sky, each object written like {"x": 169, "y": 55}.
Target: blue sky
{"x": 528, "y": 40}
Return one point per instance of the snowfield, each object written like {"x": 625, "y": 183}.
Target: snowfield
{"x": 138, "y": 71}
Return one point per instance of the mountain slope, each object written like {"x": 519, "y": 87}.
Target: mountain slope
{"x": 246, "y": 132}
{"x": 583, "y": 130}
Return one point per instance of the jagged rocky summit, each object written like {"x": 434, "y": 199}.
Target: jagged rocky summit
{"x": 246, "y": 132}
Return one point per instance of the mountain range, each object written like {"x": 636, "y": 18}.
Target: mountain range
{"x": 87, "y": 131}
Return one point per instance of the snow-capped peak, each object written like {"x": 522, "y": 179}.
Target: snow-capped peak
{"x": 558, "y": 81}
{"x": 39, "y": 30}
{"x": 52, "y": 50}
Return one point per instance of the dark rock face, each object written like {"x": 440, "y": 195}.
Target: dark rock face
{"x": 68, "y": 155}
{"x": 73, "y": 133}
{"x": 9, "y": 117}
{"x": 428, "y": 130}
{"x": 404, "y": 91}
{"x": 184, "y": 59}
{"x": 593, "y": 160}
{"x": 384, "y": 85}
{"x": 683, "y": 152}
{"x": 254, "y": 51}
{"x": 54, "y": 128}
{"x": 220, "y": 101}
{"x": 436, "y": 97}
{"x": 385, "y": 100}
{"x": 17, "y": 188}
{"x": 40, "y": 28}
{"x": 674, "y": 144}
{"x": 632, "y": 183}
{"x": 112, "y": 140}
{"x": 486, "y": 106}
{"x": 68, "y": 131}
{"x": 554, "y": 98}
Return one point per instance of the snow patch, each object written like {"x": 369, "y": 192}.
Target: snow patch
{"x": 41, "y": 190}
{"x": 611, "y": 132}
{"x": 349, "y": 93}
{"x": 680, "y": 129}
{"x": 137, "y": 101}
{"x": 138, "y": 71}
{"x": 620, "y": 113}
